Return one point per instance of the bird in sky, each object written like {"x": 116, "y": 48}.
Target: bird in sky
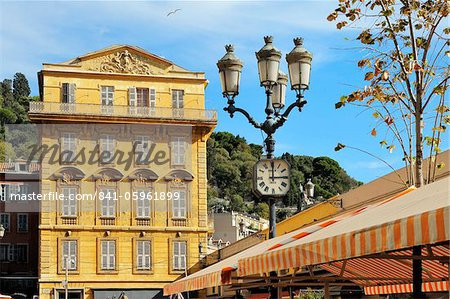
{"x": 173, "y": 12}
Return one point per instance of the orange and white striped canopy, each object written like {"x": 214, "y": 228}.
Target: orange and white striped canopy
{"x": 418, "y": 218}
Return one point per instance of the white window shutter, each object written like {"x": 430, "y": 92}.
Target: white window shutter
{"x": 132, "y": 96}
{"x": 152, "y": 98}
{"x": 71, "y": 98}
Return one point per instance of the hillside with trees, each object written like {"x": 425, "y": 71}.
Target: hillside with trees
{"x": 14, "y": 104}
{"x": 230, "y": 166}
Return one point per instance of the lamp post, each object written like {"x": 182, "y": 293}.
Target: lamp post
{"x": 2, "y": 231}
{"x": 305, "y": 193}
{"x": 274, "y": 83}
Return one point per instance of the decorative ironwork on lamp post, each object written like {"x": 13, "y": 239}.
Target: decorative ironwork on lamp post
{"x": 274, "y": 82}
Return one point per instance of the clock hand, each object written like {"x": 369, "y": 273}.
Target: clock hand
{"x": 280, "y": 177}
{"x": 273, "y": 170}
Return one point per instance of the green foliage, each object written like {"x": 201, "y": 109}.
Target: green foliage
{"x": 14, "y": 105}
{"x": 21, "y": 88}
{"x": 262, "y": 209}
{"x": 230, "y": 170}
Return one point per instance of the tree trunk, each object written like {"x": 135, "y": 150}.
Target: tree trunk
{"x": 419, "y": 181}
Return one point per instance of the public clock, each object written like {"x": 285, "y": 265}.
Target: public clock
{"x": 271, "y": 178}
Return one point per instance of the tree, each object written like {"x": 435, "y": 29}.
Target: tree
{"x": 262, "y": 209}
{"x": 405, "y": 44}
{"x": 21, "y": 88}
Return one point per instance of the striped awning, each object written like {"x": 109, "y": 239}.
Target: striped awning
{"x": 420, "y": 217}
{"x": 437, "y": 286}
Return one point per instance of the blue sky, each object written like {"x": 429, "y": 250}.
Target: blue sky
{"x": 35, "y": 32}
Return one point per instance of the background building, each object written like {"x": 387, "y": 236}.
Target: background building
{"x": 230, "y": 227}
{"x": 118, "y": 101}
{"x": 19, "y": 245}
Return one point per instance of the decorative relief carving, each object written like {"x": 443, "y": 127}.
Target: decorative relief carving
{"x": 125, "y": 63}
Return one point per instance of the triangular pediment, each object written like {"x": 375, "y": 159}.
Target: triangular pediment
{"x": 124, "y": 59}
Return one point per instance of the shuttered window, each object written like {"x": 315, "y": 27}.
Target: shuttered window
{"x": 69, "y": 254}
{"x": 178, "y": 148}
{"x": 179, "y": 255}
{"x": 142, "y": 149}
{"x": 69, "y": 203}
{"x": 179, "y": 205}
{"x": 22, "y": 222}
{"x": 68, "y": 147}
{"x": 177, "y": 98}
{"x": 143, "y": 203}
{"x": 108, "y": 202}
{"x": 143, "y": 251}
{"x": 132, "y": 96}
{"x": 108, "y": 255}
{"x": 68, "y": 93}
{"x": 107, "y": 148}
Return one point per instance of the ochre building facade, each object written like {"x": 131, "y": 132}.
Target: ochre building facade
{"x": 124, "y": 135}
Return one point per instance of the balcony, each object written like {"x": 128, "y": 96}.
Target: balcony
{"x": 39, "y": 110}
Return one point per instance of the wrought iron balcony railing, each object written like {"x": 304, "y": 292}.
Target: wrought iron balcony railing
{"x": 123, "y": 111}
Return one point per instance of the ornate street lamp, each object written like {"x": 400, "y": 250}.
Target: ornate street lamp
{"x": 271, "y": 177}
{"x": 299, "y": 65}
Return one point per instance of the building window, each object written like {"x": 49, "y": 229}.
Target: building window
{"x": 142, "y": 149}
{"x": 179, "y": 255}
{"x": 152, "y": 103}
{"x": 178, "y": 149}
{"x": 68, "y": 147}
{"x": 3, "y": 192}
{"x": 143, "y": 255}
{"x": 177, "y": 102}
{"x": 21, "y": 253}
{"x": 108, "y": 255}
{"x": 22, "y": 222}
{"x": 142, "y": 97}
{"x": 4, "y": 252}
{"x": 5, "y": 221}
{"x": 107, "y": 98}
{"x": 68, "y": 93}
{"x": 177, "y": 98}
{"x": 143, "y": 203}
{"x": 69, "y": 255}
{"x": 179, "y": 203}
{"x": 69, "y": 203}
{"x": 108, "y": 202}
{"x": 107, "y": 148}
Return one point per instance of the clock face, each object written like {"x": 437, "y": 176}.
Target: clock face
{"x": 271, "y": 178}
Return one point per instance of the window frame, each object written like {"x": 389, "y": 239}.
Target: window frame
{"x": 18, "y": 222}
{"x": 179, "y": 215}
{"x": 178, "y": 150}
{"x": 142, "y": 139}
{"x": 106, "y": 141}
{"x": 136, "y": 269}
{"x": 8, "y": 228}
{"x": 108, "y": 206}
{"x": 73, "y": 203}
{"x": 100, "y": 268}
{"x": 173, "y": 256}
{"x": 27, "y": 252}
{"x": 61, "y": 260}
{"x": 68, "y": 144}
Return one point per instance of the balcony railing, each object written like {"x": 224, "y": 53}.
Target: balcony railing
{"x": 123, "y": 111}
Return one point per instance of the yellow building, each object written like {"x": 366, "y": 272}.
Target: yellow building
{"x": 124, "y": 173}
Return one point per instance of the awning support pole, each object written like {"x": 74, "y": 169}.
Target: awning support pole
{"x": 272, "y": 234}
{"x": 327, "y": 291}
{"x": 417, "y": 274}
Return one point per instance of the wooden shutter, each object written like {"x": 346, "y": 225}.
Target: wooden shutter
{"x": 71, "y": 96}
{"x": 132, "y": 96}
{"x": 152, "y": 103}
